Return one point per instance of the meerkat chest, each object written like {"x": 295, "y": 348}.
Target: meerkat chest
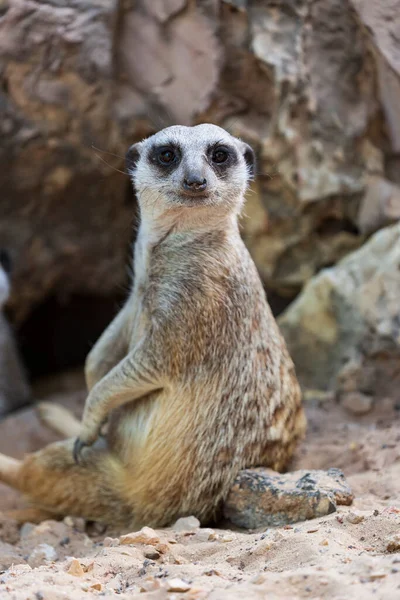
{"x": 138, "y": 315}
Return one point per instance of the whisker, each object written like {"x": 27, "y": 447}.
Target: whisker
{"x": 111, "y": 166}
{"x": 107, "y": 152}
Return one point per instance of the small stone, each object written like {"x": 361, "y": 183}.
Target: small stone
{"x": 42, "y": 554}
{"x": 376, "y": 576}
{"x": 109, "y": 541}
{"x": 75, "y": 568}
{"x": 393, "y": 543}
{"x": 228, "y": 537}
{"x": 76, "y": 523}
{"x": 324, "y": 543}
{"x": 116, "y": 584}
{"x": 163, "y": 548}
{"x": 152, "y": 554}
{"x": 177, "y": 585}
{"x": 204, "y": 534}
{"x": 96, "y": 586}
{"x": 26, "y": 529}
{"x": 37, "y": 530}
{"x": 186, "y": 524}
{"x": 88, "y": 568}
{"x": 150, "y": 585}
{"x": 357, "y": 403}
{"x": 354, "y": 518}
{"x": 146, "y": 535}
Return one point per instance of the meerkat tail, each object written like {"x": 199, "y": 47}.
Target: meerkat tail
{"x": 29, "y": 515}
{"x": 9, "y": 470}
{"x": 59, "y": 419}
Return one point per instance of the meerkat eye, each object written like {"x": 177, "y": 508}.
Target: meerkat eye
{"x": 166, "y": 156}
{"x": 220, "y": 155}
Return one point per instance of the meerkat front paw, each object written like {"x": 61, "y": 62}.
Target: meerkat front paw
{"x": 79, "y": 445}
{"x": 86, "y": 438}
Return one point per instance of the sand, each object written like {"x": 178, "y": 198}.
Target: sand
{"x": 350, "y": 554}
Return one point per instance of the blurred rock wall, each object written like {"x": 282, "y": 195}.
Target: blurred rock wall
{"x": 313, "y": 85}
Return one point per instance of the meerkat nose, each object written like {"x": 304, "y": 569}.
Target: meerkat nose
{"x": 194, "y": 183}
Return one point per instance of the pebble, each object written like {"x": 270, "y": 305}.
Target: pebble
{"x": 178, "y": 585}
{"x": 150, "y": 585}
{"x": 76, "y": 523}
{"x": 152, "y": 554}
{"x": 163, "y": 548}
{"x": 205, "y": 534}
{"x": 109, "y": 541}
{"x": 376, "y": 576}
{"x": 228, "y": 538}
{"x": 75, "y": 568}
{"x": 40, "y": 529}
{"x": 42, "y": 554}
{"x": 96, "y": 586}
{"x": 186, "y": 524}
{"x": 357, "y": 403}
{"x": 26, "y": 529}
{"x": 354, "y": 518}
{"x": 393, "y": 543}
{"x": 146, "y": 535}
{"x": 324, "y": 543}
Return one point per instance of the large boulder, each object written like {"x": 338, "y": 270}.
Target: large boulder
{"x": 343, "y": 331}
{"x": 81, "y": 80}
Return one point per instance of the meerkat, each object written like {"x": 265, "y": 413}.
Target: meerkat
{"x": 14, "y": 388}
{"x": 193, "y": 376}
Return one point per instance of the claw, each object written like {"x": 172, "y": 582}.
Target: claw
{"x": 79, "y": 445}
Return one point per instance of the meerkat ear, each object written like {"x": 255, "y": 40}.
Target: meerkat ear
{"x": 132, "y": 157}
{"x": 250, "y": 158}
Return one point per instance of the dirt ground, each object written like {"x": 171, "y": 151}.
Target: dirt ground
{"x": 354, "y": 553}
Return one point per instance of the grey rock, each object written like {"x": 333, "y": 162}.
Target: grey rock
{"x": 263, "y": 498}
{"x": 357, "y": 403}
{"x": 186, "y": 524}
{"x": 9, "y": 555}
{"x": 343, "y": 331}
{"x": 42, "y": 554}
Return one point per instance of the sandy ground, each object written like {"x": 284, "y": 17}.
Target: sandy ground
{"x": 345, "y": 555}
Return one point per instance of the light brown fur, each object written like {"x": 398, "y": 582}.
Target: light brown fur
{"x": 193, "y": 375}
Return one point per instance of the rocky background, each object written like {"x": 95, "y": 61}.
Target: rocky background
{"x": 313, "y": 85}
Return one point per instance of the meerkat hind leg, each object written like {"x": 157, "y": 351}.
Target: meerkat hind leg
{"x": 52, "y": 482}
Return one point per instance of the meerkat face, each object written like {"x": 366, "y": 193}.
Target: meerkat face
{"x": 4, "y": 281}
{"x": 201, "y": 166}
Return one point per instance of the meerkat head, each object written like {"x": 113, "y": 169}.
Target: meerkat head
{"x": 201, "y": 167}
{"x": 4, "y": 280}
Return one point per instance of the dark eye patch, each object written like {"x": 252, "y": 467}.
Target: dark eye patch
{"x": 165, "y": 157}
{"x": 221, "y": 157}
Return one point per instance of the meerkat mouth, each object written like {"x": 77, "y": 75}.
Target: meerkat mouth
{"x": 193, "y": 199}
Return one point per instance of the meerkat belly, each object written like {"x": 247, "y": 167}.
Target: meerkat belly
{"x": 130, "y": 426}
